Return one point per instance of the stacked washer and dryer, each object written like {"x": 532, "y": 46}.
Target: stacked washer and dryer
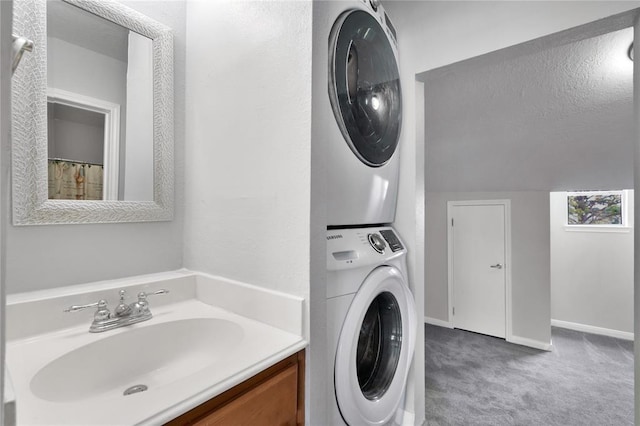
{"x": 370, "y": 310}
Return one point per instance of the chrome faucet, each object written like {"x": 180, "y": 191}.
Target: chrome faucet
{"x": 124, "y": 314}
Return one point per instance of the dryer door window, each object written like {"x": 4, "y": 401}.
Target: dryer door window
{"x": 379, "y": 346}
{"x": 365, "y": 93}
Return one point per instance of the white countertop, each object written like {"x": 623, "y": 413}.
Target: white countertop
{"x": 262, "y": 345}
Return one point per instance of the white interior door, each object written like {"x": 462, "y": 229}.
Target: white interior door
{"x": 478, "y": 254}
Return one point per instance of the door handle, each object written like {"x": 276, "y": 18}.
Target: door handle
{"x": 496, "y": 266}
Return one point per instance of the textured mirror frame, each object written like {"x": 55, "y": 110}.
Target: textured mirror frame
{"x": 31, "y": 205}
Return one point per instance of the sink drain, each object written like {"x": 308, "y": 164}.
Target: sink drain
{"x": 135, "y": 389}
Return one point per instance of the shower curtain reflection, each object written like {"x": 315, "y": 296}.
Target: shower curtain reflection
{"x": 69, "y": 180}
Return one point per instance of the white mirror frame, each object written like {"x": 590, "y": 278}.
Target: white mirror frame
{"x": 31, "y": 205}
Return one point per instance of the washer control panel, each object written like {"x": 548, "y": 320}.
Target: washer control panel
{"x": 376, "y": 242}
{"x": 392, "y": 240}
{"x": 361, "y": 246}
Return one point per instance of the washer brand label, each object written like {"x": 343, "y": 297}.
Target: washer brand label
{"x": 334, "y": 237}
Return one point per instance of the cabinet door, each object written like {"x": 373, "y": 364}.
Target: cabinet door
{"x": 273, "y": 402}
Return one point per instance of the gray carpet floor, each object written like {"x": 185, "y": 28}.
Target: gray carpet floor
{"x": 472, "y": 379}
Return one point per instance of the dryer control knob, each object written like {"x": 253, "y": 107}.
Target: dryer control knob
{"x": 374, "y": 4}
{"x": 376, "y": 242}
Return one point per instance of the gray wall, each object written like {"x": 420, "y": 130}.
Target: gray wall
{"x": 75, "y": 134}
{"x": 636, "y": 230}
{"x": 42, "y": 257}
{"x": 75, "y": 69}
{"x": 248, "y": 191}
{"x": 5, "y": 108}
{"x": 591, "y": 272}
{"x": 530, "y": 258}
{"x": 515, "y": 119}
{"x": 248, "y": 156}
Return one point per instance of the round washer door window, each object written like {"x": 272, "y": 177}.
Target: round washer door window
{"x": 375, "y": 348}
{"x": 365, "y": 87}
{"x": 379, "y": 346}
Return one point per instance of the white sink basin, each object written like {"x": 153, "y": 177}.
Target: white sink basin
{"x": 189, "y": 352}
{"x": 154, "y": 356}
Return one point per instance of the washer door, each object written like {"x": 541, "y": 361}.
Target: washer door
{"x": 364, "y": 87}
{"x": 375, "y": 349}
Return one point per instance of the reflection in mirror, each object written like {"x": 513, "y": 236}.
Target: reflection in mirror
{"x": 80, "y": 134}
{"x": 92, "y": 115}
{"x": 91, "y": 58}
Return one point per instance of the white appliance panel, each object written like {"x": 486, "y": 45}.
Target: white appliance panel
{"x": 357, "y": 193}
{"x": 371, "y": 317}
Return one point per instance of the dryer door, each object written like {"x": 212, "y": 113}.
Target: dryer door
{"x": 364, "y": 87}
{"x": 375, "y": 349}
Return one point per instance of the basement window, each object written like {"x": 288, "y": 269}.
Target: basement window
{"x": 597, "y": 210}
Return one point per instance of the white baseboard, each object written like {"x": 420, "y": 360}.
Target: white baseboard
{"x": 438, "y": 322}
{"x": 524, "y": 341}
{"x": 593, "y": 329}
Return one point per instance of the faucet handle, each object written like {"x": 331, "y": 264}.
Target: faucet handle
{"x": 143, "y": 295}
{"x": 142, "y": 303}
{"x": 76, "y": 308}
{"x": 101, "y": 314}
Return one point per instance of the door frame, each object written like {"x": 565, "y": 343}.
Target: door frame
{"x": 507, "y": 260}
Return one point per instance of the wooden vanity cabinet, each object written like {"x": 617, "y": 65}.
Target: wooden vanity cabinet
{"x": 272, "y": 397}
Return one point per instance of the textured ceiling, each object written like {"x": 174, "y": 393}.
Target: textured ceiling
{"x": 558, "y": 119}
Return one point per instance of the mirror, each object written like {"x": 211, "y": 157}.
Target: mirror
{"x": 92, "y": 115}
